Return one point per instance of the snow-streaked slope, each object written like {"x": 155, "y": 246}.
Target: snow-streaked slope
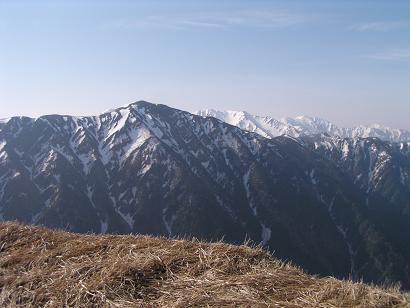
{"x": 152, "y": 169}
{"x": 303, "y": 125}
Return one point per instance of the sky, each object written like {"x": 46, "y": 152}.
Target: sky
{"x": 347, "y": 61}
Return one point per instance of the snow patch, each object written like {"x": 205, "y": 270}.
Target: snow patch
{"x": 313, "y": 178}
{"x": 126, "y": 217}
{"x": 266, "y": 234}
{"x": 168, "y": 224}
{"x": 2, "y": 145}
{"x": 137, "y": 138}
{"x": 3, "y": 156}
{"x": 246, "y": 184}
{"x": 345, "y": 149}
{"x": 104, "y": 226}
{"x": 403, "y": 176}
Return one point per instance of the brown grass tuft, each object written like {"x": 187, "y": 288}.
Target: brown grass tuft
{"x": 42, "y": 267}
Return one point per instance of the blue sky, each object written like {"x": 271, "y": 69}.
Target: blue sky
{"x": 346, "y": 61}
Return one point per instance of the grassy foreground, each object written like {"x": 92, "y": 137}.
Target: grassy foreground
{"x": 42, "y": 267}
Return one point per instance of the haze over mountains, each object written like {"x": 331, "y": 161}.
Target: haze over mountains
{"x": 302, "y": 125}
{"x": 332, "y": 204}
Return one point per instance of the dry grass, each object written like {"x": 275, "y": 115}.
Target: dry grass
{"x": 42, "y": 267}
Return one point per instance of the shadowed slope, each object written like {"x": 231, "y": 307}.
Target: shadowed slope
{"x": 40, "y": 267}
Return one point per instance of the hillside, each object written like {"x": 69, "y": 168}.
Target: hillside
{"x": 42, "y": 267}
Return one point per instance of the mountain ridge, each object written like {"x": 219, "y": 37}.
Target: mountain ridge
{"x": 298, "y": 126}
{"x": 151, "y": 169}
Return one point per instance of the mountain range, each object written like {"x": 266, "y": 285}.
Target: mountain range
{"x": 303, "y": 125}
{"x": 333, "y": 204}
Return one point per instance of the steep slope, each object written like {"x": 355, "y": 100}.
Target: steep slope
{"x": 303, "y": 126}
{"x": 151, "y": 169}
{"x": 375, "y": 166}
{"x": 44, "y": 268}
{"x": 381, "y": 171}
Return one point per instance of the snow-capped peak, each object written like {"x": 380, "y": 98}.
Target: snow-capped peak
{"x": 263, "y": 125}
{"x": 126, "y": 106}
{"x": 303, "y": 125}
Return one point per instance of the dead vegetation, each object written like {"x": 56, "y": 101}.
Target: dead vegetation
{"x": 41, "y": 267}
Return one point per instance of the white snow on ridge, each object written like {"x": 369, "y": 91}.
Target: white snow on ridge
{"x": 264, "y": 126}
{"x": 269, "y": 127}
{"x": 125, "y": 106}
{"x": 124, "y": 114}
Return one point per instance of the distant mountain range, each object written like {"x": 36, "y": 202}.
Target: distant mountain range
{"x": 303, "y": 125}
{"x": 333, "y": 205}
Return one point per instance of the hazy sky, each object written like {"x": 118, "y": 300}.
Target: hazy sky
{"x": 346, "y": 61}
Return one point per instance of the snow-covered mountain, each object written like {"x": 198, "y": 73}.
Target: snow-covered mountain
{"x": 264, "y": 126}
{"x": 302, "y": 125}
{"x": 332, "y": 205}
